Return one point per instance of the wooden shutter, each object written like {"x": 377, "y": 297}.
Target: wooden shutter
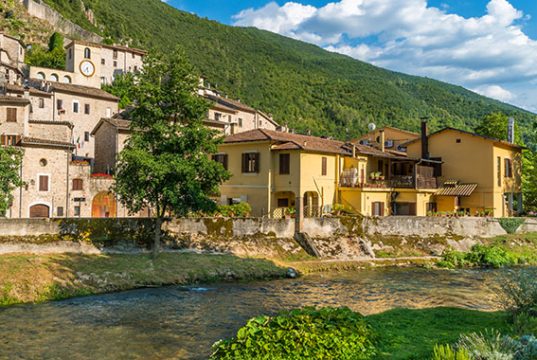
{"x": 78, "y": 184}
{"x": 11, "y": 115}
{"x": 508, "y": 168}
{"x": 43, "y": 183}
{"x": 244, "y": 163}
{"x": 499, "y": 170}
{"x": 256, "y": 162}
{"x": 412, "y": 209}
{"x": 324, "y": 169}
{"x": 285, "y": 164}
{"x": 3, "y": 140}
{"x": 381, "y": 209}
{"x": 225, "y": 161}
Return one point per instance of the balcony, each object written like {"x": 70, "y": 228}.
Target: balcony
{"x": 350, "y": 179}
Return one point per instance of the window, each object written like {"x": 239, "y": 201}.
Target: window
{"x": 285, "y": 164}
{"x": 508, "y": 168}
{"x": 40, "y": 76}
{"x": 115, "y": 63}
{"x": 70, "y": 53}
{"x": 87, "y": 53}
{"x": 43, "y": 162}
{"x": 115, "y": 54}
{"x": 222, "y": 159}
{"x": 283, "y": 203}
{"x": 87, "y": 109}
{"x": 108, "y": 112}
{"x": 77, "y": 210}
{"x": 324, "y": 167}
{"x": 86, "y": 136}
{"x": 43, "y": 182}
{"x": 75, "y": 107}
{"x": 240, "y": 122}
{"x": 9, "y": 140}
{"x": 59, "y": 211}
{"x": 11, "y": 115}
{"x": 54, "y": 77}
{"x": 499, "y": 170}
{"x": 432, "y": 207}
{"x": 41, "y": 103}
{"x": 103, "y": 62}
{"x": 250, "y": 163}
{"x": 103, "y": 80}
{"x": 133, "y": 55}
{"x": 59, "y": 104}
{"x": 217, "y": 116}
{"x": 458, "y": 141}
{"x": 377, "y": 208}
{"x": 78, "y": 184}
{"x": 135, "y": 68}
{"x": 67, "y": 79}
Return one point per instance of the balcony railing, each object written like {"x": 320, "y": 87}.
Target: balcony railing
{"x": 396, "y": 182}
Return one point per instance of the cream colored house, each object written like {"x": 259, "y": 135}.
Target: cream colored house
{"x": 90, "y": 64}
{"x": 11, "y": 60}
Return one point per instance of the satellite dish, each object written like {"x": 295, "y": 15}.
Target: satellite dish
{"x": 371, "y": 127}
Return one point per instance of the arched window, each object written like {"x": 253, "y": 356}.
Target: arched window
{"x": 40, "y": 76}
{"x": 54, "y": 77}
{"x": 87, "y": 53}
{"x": 66, "y": 79}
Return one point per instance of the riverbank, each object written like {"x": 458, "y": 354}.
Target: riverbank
{"x": 39, "y": 278}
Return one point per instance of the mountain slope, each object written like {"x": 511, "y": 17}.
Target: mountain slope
{"x": 300, "y": 84}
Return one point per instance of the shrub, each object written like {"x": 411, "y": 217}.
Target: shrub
{"x": 452, "y": 259}
{"x": 447, "y": 352}
{"x": 480, "y": 256}
{"x": 524, "y": 348}
{"x": 510, "y": 225}
{"x": 487, "y": 346}
{"x": 307, "y": 333}
{"x": 519, "y": 293}
{"x": 242, "y": 209}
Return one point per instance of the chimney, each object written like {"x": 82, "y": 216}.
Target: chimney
{"x": 424, "y": 140}
{"x": 382, "y": 141}
{"x": 511, "y": 130}
{"x": 353, "y": 151}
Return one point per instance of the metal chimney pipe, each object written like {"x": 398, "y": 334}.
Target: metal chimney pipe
{"x": 382, "y": 141}
{"x": 511, "y": 130}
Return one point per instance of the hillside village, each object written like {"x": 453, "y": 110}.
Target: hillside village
{"x": 72, "y": 132}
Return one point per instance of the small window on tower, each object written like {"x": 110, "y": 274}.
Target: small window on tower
{"x": 87, "y": 53}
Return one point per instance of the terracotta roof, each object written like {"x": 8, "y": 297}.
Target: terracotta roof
{"x": 215, "y": 123}
{"x": 234, "y": 104}
{"x": 49, "y": 122}
{"x": 495, "y": 140}
{"x": 120, "y": 124}
{"x": 45, "y": 142}
{"x": 296, "y": 141}
{"x": 14, "y": 100}
{"x": 223, "y": 107}
{"x": 456, "y": 189}
{"x": 83, "y": 90}
{"x": 31, "y": 89}
{"x": 113, "y": 47}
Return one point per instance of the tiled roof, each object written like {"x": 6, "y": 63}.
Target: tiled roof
{"x": 113, "y": 47}
{"x": 75, "y": 89}
{"x": 120, "y": 124}
{"x": 234, "y": 104}
{"x": 457, "y": 190}
{"x": 223, "y": 107}
{"x": 49, "y": 122}
{"x": 495, "y": 140}
{"x": 44, "y": 142}
{"x": 14, "y": 100}
{"x": 31, "y": 89}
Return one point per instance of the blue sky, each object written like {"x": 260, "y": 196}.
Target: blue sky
{"x": 489, "y": 46}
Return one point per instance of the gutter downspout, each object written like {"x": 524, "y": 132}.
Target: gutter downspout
{"x": 20, "y": 195}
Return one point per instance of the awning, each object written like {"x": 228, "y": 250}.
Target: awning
{"x": 450, "y": 189}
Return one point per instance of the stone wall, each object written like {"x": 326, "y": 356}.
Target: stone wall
{"x": 42, "y": 11}
{"x": 338, "y": 238}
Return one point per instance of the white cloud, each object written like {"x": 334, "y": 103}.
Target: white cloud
{"x": 489, "y": 53}
{"x": 494, "y": 91}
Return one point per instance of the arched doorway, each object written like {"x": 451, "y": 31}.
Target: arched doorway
{"x": 311, "y": 204}
{"x": 103, "y": 205}
{"x": 39, "y": 211}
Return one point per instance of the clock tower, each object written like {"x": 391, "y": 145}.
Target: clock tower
{"x": 84, "y": 60}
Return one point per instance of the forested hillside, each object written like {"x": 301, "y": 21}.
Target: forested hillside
{"x": 300, "y": 84}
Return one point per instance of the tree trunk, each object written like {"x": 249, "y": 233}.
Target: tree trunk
{"x": 157, "y": 235}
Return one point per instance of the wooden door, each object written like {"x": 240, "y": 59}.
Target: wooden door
{"x": 39, "y": 211}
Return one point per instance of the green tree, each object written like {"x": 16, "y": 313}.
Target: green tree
{"x": 121, "y": 87}
{"x": 165, "y": 164}
{"x": 55, "y": 41}
{"x": 495, "y": 125}
{"x": 10, "y": 161}
{"x": 53, "y": 57}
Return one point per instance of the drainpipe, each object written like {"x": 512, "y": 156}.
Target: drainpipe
{"x": 67, "y": 194}
{"x": 382, "y": 140}
{"x": 20, "y": 196}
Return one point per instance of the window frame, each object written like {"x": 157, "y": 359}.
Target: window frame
{"x": 284, "y": 166}
{"x": 77, "y": 184}
{"x": 250, "y": 162}
{"x": 222, "y": 159}
{"x": 324, "y": 166}
{"x": 39, "y": 183}
{"x": 11, "y": 114}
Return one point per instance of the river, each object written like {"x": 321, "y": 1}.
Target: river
{"x": 183, "y": 322}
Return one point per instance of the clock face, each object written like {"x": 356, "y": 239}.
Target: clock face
{"x": 87, "y": 68}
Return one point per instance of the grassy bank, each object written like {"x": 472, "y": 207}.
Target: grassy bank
{"x": 412, "y": 334}
{"x": 38, "y": 278}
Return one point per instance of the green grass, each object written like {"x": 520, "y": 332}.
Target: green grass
{"x": 412, "y": 334}
{"x": 33, "y": 278}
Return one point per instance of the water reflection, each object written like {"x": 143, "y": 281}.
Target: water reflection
{"x": 179, "y": 322}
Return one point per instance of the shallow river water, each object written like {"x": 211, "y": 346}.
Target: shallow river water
{"x": 183, "y": 322}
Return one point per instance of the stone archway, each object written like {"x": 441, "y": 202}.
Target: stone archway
{"x": 39, "y": 211}
{"x": 103, "y": 205}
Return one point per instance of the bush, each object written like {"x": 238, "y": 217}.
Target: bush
{"x": 511, "y": 225}
{"x": 447, "y": 352}
{"x": 519, "y": 293}
{"x": 487, "y": 346}
{"x": 307, "y": 333}
{"x": 242, "y": 209}
{"x": 480, "y": 256}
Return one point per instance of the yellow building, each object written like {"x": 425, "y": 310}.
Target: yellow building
{"x": 479, "y": 174}
{"x": 391, "y": 137}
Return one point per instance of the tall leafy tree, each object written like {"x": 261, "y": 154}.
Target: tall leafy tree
{"x": 53, "y": 57}
{"x": 10, "y": 162}
{"x": 166, "y": 165}
{"x": 121, "y": 87}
